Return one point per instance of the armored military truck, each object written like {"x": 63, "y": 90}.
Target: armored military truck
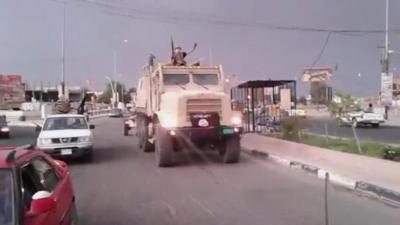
{"x": 186, "y": 107}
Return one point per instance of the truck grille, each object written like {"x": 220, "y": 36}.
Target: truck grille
{"x": 202, "y": 105}
{"x": 64, "y": 140}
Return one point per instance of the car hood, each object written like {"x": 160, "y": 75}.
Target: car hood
{"x": 64, "y": 133}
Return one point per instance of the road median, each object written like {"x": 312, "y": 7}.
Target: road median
{"x": 370, "y": 176}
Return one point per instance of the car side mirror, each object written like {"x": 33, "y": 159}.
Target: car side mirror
{"x": 92, "y": 126}
{"x": 63, "y": 165}
{"x": 41, "y": 202}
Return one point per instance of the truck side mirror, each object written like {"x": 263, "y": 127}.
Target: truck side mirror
{"x": 92, "y": 126}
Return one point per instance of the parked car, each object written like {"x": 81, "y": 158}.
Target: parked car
{"x": 358, "y": 118}
{"x": 4, "y": 129}
{"x": 35, "y": 189}
{"x": 66, "y": 135}
{"x": 116, "y": 113}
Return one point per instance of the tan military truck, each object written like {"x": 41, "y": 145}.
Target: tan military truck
{"x": 185, "y": 107}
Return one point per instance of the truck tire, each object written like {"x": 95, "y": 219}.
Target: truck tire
{"x": 126, "y": 130}
{"x": 143, "y": 135}
{"x": 88, "y": 157}
{"x": 164, "y": 148}
{"x": 231, "y": 150}
{"x": 375, "y": 125}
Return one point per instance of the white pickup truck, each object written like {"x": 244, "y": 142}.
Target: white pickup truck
{"x": 358, "y": 118}
{"x": 66, "y": 135}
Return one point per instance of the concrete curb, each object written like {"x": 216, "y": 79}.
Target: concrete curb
{"x": 388, "y": 196}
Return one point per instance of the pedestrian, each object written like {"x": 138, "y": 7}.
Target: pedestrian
{"x": 370, "y": 108}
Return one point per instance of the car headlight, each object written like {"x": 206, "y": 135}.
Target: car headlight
{"x": 236, "y": 120}
{"x": 44, "y": 141}
{"x": 84, "y": 139}
{"x": 5, "y": 129}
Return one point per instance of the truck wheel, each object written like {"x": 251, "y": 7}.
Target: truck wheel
{"x": 231, "y": 150}
{"x": 163, "y": 147}
{"x": 88, "y": 157}
{"x": 143, "y": 135}
{"x": 126, "y": 130}
{"x": 375, "y": 125}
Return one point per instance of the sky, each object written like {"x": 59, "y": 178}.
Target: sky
{"x": 234, "y": 33}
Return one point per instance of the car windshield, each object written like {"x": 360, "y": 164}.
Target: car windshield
{"x": 176, "y": 79}
{"x": 205, "y": 79}
{"x": 6, "y": 198}
{"x": 63, "y": 123}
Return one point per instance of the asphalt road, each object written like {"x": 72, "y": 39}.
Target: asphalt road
{"x": 20, "y": 136}
{"x": 123, "y": 186}
{"x": 386, "y": 134}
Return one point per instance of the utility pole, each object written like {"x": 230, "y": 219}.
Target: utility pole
{"x": 386, "y": 93}
{"x": 63, "y": 50}
{"x": 385, "y": 68}
{"x": 116, "y": 97}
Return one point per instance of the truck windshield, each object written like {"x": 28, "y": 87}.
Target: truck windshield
{"x": 176, "y": 79}
{"x": 205, "y": 79}
{"x": 6, "y": 198}
{"x": 64, "y": 123}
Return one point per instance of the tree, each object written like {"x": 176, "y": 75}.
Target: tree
{"x": 347, "y": 103}
{"x": 127, "y": 94}
{"x": 120, "y": 88}
{"x": 302, "y": 100}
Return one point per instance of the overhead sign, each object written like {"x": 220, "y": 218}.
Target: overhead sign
{"x": 387, "y": 88}
{"x": 316, "y": 74}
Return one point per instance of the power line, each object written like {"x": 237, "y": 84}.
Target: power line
{"x": 139, "y": 14}
{"x": 322, "y": 50}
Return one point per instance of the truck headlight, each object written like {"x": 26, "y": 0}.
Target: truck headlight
{"x": 5, "y": 129}
{"x": 236, "y": 120}
{"x": 84, "y": 139}
{"x": 44, "y": 141}
{"x": 168, "y": 122}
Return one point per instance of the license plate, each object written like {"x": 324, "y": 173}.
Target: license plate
{"x": 67, "y": 151}
{"x": 228, "y": 131}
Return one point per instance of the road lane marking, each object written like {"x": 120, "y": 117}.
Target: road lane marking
{"x": 171, "y": 209}
{"x": 202, "y": 206}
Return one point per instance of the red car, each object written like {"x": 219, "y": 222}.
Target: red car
{"x": 35, "y": 189}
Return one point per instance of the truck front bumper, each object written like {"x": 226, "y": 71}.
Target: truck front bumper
{"x": 205, "y": 134}
{"x": 68, "y": 151}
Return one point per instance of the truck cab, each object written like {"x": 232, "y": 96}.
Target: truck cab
{"x": 188, "y": 104}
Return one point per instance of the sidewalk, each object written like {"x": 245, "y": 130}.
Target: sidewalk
{"x": 350, "y": 170}
{"x": 394, "y": 118}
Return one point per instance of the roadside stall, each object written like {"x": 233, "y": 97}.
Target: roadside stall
{"x": 264, "y": 103}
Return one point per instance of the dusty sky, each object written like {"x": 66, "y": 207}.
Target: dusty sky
{"x": 233, "y": 32}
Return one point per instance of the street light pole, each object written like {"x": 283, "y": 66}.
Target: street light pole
{"x": 115, "y": 75}
{"x": 386, "y": 93}
{"x": 386, "y": 54}
{"x": 63, "y": 51}
{"x": 112, "y": 89}
{"x": 115, "y": 65}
